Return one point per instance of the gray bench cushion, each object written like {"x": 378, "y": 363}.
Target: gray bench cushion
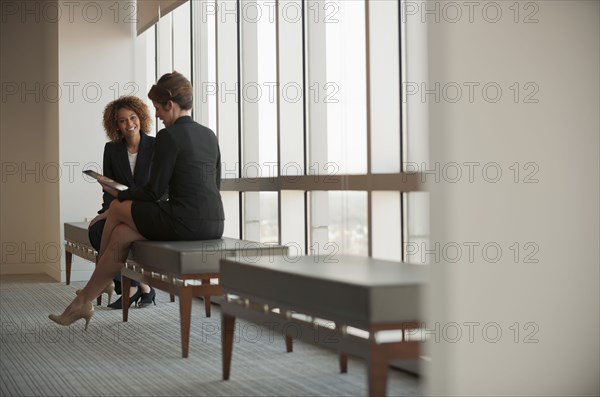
{"x": 197, "y": 257}
{"x": 356, "y": 290}
{"x": 77, "y": 232}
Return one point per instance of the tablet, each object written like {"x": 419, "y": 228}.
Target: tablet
{"x": 103, "y": 180}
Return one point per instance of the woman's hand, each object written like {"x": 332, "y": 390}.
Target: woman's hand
{"x": 99, "y": 217}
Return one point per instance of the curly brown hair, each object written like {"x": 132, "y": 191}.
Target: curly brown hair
{"x": 133, "y": 103}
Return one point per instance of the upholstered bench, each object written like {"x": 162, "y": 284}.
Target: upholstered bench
{"x": 77, "y": 243}
{"x": 186, "y": 268}
{"x": 345, "y": 303}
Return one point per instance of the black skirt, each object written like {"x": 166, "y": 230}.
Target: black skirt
{"x": 156, "y": 224}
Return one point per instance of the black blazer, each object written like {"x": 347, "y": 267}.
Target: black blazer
{"x": 116, "y": 165}
{"x": 187, "y": 161}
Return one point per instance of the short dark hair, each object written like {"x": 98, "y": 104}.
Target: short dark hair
{"x": 175, "y": 87}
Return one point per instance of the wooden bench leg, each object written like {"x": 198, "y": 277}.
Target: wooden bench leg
{"x": 343, "y": 363}
{"x": 125, "y": 287}
{"x": 207, "y": 305}
{"x": 185, "y": 313}
{"x": 377, "y": 369}
{"x": 206, "y": 281}
{"x": 68, "y": 261}
{"x": 289, "y": 346}
{"x": 227, "y": 327}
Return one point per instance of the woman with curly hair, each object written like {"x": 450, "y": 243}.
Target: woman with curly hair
{"x": 187, "y": 162}
{"x": 127, "y": 159}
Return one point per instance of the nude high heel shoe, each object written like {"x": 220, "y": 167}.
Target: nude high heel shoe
{"x": 86, "y": 311}
{"x": 108, "y": 290}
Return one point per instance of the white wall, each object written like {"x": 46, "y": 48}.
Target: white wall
{"x": 96, "y": 58}
{"x": 555, "y": 301}
{"x": 83, "y": 55}
{"x": 29, "y": 238}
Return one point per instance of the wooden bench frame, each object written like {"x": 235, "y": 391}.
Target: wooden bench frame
{"x": 348, "y": 304}
{"x": 377, "y": 355}
{"x": 190, "y": 285}
{"x": 185, "y": 286}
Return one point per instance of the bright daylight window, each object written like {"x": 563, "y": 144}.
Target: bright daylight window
{"x": 305, "y": 97}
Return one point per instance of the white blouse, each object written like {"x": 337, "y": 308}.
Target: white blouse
{"x": 132, "y": 159}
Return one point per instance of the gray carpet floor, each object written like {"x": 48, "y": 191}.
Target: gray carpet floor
{"x": 143, "y": 356}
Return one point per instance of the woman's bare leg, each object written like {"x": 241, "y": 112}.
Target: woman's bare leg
{"x": 111, "y": 262}
{"x": 119, "y": 213}
{"x": 116, "y": 242}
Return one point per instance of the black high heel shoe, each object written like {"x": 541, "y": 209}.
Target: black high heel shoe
{"x": 118, "y": 304}
{"x": 147, "y": 298}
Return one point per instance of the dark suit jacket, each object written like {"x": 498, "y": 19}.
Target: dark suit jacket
{"x": 187, "y": 161}
{"x": 116, "y": 165}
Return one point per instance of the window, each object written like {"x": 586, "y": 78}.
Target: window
{"x": 305, "y": 97}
